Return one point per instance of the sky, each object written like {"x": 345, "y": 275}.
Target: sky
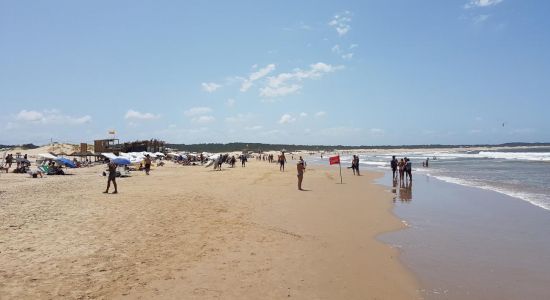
{"x": 295, "y": 72}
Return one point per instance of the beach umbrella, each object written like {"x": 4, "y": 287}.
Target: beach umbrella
{"x": 121, "y": 161}
{"x": 65, "y": 161}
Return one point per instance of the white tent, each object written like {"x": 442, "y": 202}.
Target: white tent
{"x": 109, "y": 155}
{"x": 47, "y": 156}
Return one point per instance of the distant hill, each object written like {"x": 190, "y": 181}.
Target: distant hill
{"x": 256, "y": 147}
{"x": 24, "y": 146}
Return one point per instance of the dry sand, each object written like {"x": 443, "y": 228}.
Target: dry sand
{"x": 193, "y": 233}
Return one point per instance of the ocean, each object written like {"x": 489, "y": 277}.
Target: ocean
{"x": 523, "y": 173}
{"x": 476, "y": 219}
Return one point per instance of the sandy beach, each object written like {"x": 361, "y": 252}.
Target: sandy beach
{"x": 194, "y": 233}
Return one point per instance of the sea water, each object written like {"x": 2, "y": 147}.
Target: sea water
{"x": 523, "y": 173}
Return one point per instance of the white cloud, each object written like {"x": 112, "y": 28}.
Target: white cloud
{"x": 480, "y": 19}
{"x": 481, "y": 3}
{"x": 230, "y": 102}
{"x": 336, "y": 49}
{"x": 347, "y": 56}
{"x": 203, "y": 119}
{"x": 341, "y": 22}
{"x": 52, "y": 116}
{"x": 270, "y": 92}
{"x": 247, "y": 83}
{"x": 303, "y": 114}
{"x": 210, "y": 86}
{"x": 136, "y": 115}
{"x": 353, "y": 46}
{"x": 286, "y": 83}
{"x": 286, "y": 119}
{"x": 199, "y": 110}
{"x": 320, "y": 114}
{"x": 29, "y": 115}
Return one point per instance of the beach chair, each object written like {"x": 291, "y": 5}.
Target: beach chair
{"x": 44, "y": 169}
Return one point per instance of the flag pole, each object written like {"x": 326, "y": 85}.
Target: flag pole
{"x": 340, "y": 164}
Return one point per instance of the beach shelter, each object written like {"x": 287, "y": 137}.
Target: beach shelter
{"x": 109, "y": 155}
{"x": 47, "y": 156}
{"x": 121, "y": 161}
{"x": 66, "y": 162}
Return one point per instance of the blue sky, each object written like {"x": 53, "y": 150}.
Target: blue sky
{"x": 305, "y": 72}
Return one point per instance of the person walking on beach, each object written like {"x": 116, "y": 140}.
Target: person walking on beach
{"x": 243, "y": 160}
{"x": 147, "y": 164}
{"x": 393, "y": 164}
{"x": 282, "y": 161}
{"x": 112, "y": 177}
{"x": 301, "y": 169}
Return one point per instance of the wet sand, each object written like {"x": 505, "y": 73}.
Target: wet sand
{"x": 468, "y": 243}
{"x": 194, "y": 233}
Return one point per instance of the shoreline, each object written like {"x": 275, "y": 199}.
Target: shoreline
{"x": 468, "y": 242}
{"x": 189, "y": 231}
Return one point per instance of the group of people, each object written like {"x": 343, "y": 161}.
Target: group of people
{"x": 22, "y": 163}
{"x": 401, "y": 168}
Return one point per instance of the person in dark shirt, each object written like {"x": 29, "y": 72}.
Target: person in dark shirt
{"x": 394, "y": 165}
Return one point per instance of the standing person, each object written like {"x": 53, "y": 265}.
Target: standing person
{"x": 353, "y": 166}
{"x": 282, "y": 161}
{"x": 243, "y": 160}
{"x": 9, "y": 161}
{"x": 301, "y": 169}
{"x": 147, "y": 164}
{"x": 357, "y": 164}
{"x": 427, "y": 161}
{"x": 401, "y": 166}
{"x": 303, "y": 161}
{"x": 393, "y": 164}
{"x": 112, "y": 177}
{"x": 408, "y": 169}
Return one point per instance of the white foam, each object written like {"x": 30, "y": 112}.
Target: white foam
{"x": 531, "y": 156}
{"x": 539, "y": 200}
{"x": 447, "y": 155}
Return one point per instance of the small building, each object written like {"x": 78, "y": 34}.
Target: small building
{"x": 148, "y": 146}
{"x": 107, "y": 145}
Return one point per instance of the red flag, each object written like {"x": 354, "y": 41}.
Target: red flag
{"x": 334, "y": 160}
